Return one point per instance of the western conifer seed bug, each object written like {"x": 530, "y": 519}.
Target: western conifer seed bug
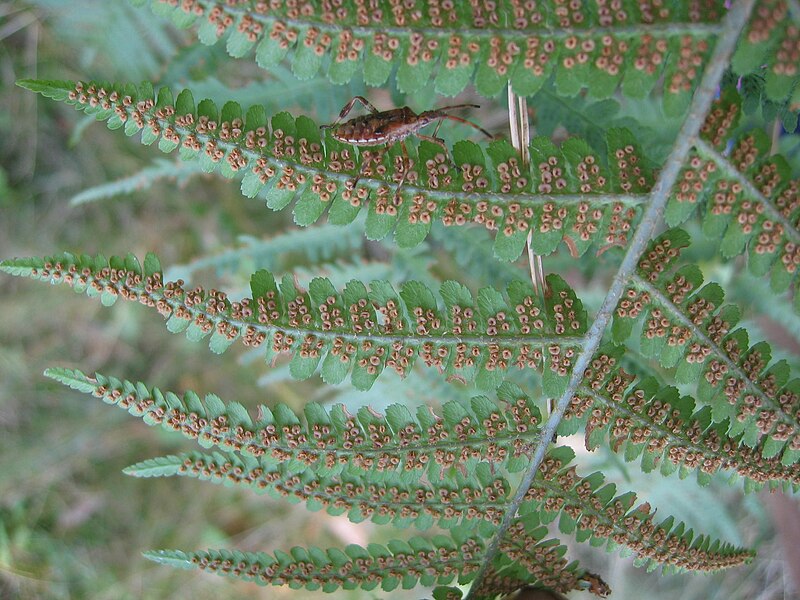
{"x": 392, "y": 126}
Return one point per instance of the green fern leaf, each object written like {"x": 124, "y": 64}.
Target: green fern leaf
{"x": 357, "y": 330}
{"x": 162, "y": 466}
{"x": 599, "y": 515}
{"x": 331, "y": 442}
{"x": 440, "y": 560}
{"x": 437, "y": 561}
{"x": 654, "y": 423}
{"x": 479, "y": 494}
{"x": 473, "y": 496}
{"x": 288, "y": 162}
{"x": 687, "y": 325}
{"x": 490, "y": 44}
{"x": 749, "y": 196}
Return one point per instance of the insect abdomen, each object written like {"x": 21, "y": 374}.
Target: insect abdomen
{"x": 373, "y": 130}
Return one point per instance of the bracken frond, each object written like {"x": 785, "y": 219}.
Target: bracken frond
{"x": 594, "y": 513}
{"x": 438, "y": 560}
{"x": 686, "y": 325}
{"x": 332, "y": 441}
{"x": 357, "y": 330}
{"x": 490, "y": 43}
{"x": 566, "y": 194}
{"x": 645, "y": 419}
{"x": 750, "y": 200}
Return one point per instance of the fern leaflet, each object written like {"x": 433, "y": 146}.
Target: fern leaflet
{"x": 491, "y": 44}
{"x": 357, "y": 330}
{"x": 285, "y": 159}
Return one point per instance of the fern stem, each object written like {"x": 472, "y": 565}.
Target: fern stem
{"x": 521, "y": 139}
{"x": 652, "y": 218}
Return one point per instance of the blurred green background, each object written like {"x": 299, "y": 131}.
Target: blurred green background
{"x": 71, "y": 524}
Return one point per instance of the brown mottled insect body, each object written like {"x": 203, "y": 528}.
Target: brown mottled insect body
{"x": 387, "y": 127}
{"x": 392, "y": 126}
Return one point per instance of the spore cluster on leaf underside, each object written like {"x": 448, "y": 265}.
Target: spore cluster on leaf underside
{"x": 489, "y": 43}
{"x": 357, "y": 331}
{"x": 569, "y": 193}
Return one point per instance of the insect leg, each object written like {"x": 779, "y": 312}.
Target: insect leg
{"x": 436, "y": 129}
{"x": 348, "y": 107}
{"x": 438, "y": 141}
{"x": 364, "y": 102}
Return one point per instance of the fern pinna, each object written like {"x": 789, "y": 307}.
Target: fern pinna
{"x": 483, "y": 471}
{"x": 285, "y": 159}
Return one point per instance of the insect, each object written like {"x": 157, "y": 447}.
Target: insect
{"x": 392, "y": 126}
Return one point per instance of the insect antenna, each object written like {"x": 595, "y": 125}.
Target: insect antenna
{"x": 475, "y": 125}
{"x": 442, "y": 114}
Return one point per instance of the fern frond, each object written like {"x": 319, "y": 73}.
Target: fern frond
{"x": 329, "y": 471}
{"x": 655, "y": 423}
{"x": 594, "y": 513}
{"x": 180, "y": 172}
{"x": 357, "y": 330}
{"x": 492, "y": 44}
{"x": 477, "y": 494}
{"x": 750, "y": 200}
{"x": 330, "y": 442}
{"x": 771, "y": 39}
{"x": 318, "y": 245}
{"x": 564, "y": 194}
{"x": 438, "y": 560}
{"x": 687, "y": 325}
